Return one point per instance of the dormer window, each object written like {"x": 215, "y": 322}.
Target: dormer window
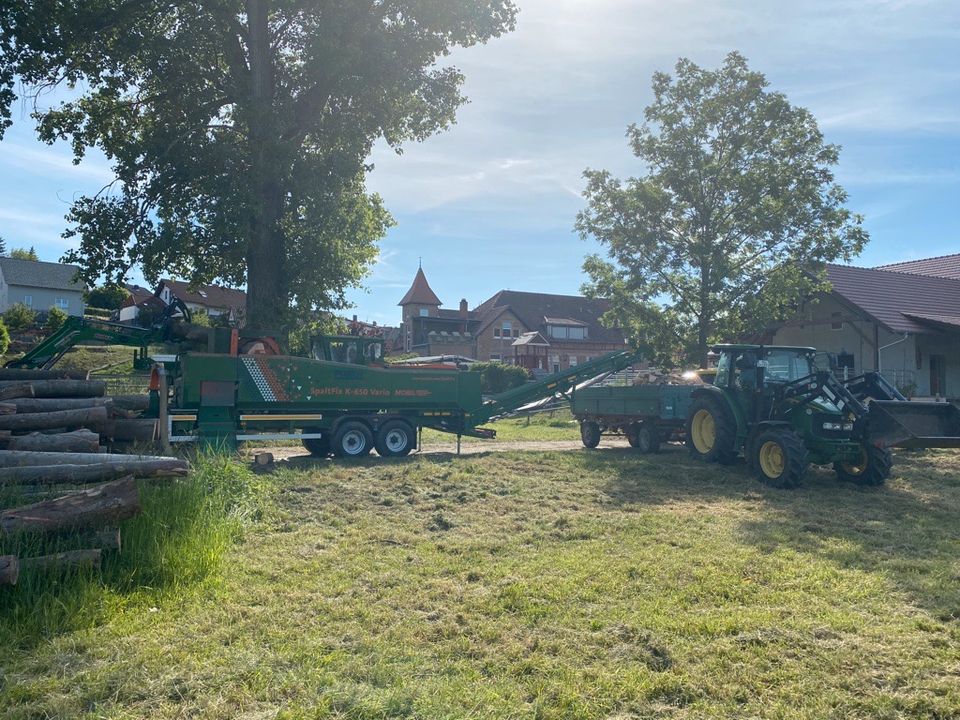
{"x": 566, "y": 329}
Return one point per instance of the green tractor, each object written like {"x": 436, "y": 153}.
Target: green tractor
{"x": 773, "y": 406}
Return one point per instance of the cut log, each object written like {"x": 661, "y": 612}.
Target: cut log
{"x": 130, "y": 402}
{"x": 78, "y": 441}
{"x": 80, "y": 474}
{"x": 26, "y": 374}
{"x": 7, "y": 408}
{"x": 84, "y": 417}
{"x": 56, "y": 388}
{"x": 139, "y": 430}
{"x": 39, "y": 405}
{"x": 69, "y": 559}
{"x": 104, "y": 504}
{"x": 106, "y": 539}
{"x": 18, "y": 458}
{"x": 9, "y": 569}
{"x": 20, "y": 390}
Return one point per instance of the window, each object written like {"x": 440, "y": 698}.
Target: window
{"x": 28, "y": 300}
{"x": 62, "y": 303}
{"x": 573, "y": 361}
{"x": 567, "y": 332}
{"x": 555, "y": 363}
{"x": 496, "y": 332}
{"x": 507, "y": 327}
{"x": 836, "y": 321}
{"x": 424, "y": 312}
{"x": 495, "y": 357}
{"x": 576, "y": 333}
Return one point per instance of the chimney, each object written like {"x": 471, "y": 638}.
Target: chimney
{"x": 354, "y": 318}
{"x": 463, "y": 308}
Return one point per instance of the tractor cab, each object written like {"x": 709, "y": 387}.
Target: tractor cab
{"x": 750, "y": 367}
{"x": 349, "y": 349}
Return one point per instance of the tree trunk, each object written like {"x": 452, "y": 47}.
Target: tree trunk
{"x": 78, "y": 441}
{"x": 14, "y": 458}
{"x": 7, "y": 408}
{"x": 39, "y": 405}
{"x": 54, "y": 388}
{"x": 25, "y": 374}
{"x": 9, "y": 569}
{"x": 130, "y": 402}
{"x": 17, "y": 390}
{"x": 85, "y": 417}
{"x": 145, "y": 430}
{"x": 69, "y": 559}
{"x": 80, "y": 474}
{"x": 109, "y": 503}
{"x": 266, "y": 308}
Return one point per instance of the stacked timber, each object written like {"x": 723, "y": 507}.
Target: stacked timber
{"x": 54, "y": 427}
{"x": 48, "y": 410}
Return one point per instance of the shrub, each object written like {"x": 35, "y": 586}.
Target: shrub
{"x": 4, "y": 338}
{"x": 108, "y": 297}
{"x": 498, "y": 377}
{"x": 55, "y": 319}
{"x": 19, "y": 317}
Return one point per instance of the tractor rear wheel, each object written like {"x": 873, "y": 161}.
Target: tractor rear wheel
{"x": 779, "y": 458}
{"x": 395, "y": 438}
{"x": 589, "y": 433}
{"x": 873, "y": 468}
{"x": 711, "y": 432}
{"x": 352, "y": 440}
{"x": 644, "y": 437}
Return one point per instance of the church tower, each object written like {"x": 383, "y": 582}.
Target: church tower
{"x": 420, "y": 301}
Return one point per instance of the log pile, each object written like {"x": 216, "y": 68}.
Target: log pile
{"x": 657, "y": 377}
{"x": 54, "y": 429}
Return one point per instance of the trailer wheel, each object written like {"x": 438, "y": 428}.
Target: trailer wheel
{"x": 318, "y": 447}
{"x": 590, "y": 433}
{"x": 644, "y": 438}
{"x": 711, "y": 431}
{"x": 395, "y": 438}
{"x": 872, "y": 469}
{"x": 352, "y": 440}
{"x": 779, "y": 458}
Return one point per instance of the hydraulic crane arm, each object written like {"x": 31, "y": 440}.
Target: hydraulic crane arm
{"x": 507, "y": 402}
{"x": 77, "y": 330}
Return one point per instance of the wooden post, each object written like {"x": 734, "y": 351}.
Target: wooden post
{"x": 9, "y": 569}
{"x": 163, "y": 390}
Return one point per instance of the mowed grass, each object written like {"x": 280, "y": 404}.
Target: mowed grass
{"x": 601, "y": 584}
{"x": 546, "y": 426}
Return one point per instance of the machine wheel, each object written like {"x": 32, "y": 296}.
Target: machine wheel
{"x": 395, "y": 438}
{"x": 352, "y": 440}
{"x": 779, "y": 458}
{"x": 872, "y": 469}
{"x": 318, "y": 447}
{"x": 711, "y": 432}
{"x": 644, "y": 438}
{"x": 590, "y": 433}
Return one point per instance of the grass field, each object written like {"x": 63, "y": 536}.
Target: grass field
{"x": 582, "y": 584}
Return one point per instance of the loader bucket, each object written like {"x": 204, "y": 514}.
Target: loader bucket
{"x": 914, "y": 424}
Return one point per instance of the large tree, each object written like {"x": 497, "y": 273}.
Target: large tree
{"x": 239, "y": 130}
{"x": 730, "y": 224}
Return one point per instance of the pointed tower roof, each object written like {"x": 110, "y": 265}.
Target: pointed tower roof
{"x": 420, "y": 292}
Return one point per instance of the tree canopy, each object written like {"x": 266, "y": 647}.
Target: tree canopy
{"x": 730, "y": 224}
{"x": 239, "y": 132}
{"x": 25, "y": 254}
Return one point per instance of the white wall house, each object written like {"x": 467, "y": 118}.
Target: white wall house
{"x": 903, "y": 320}
{"x": 40, "y": 286}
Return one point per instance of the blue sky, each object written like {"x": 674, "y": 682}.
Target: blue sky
{"x": 490, "y": 204}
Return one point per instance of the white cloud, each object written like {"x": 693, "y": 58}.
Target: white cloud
{"x": 52, "y": 162}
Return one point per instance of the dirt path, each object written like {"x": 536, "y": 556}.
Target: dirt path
{"x": 439, "y": 447}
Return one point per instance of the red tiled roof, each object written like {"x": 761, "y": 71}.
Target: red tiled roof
{"x": 532, "y": 309}
{"x": 945, "y": 266}
{"x": 420, "y": 292}
{"x": 900, "y": 301}
{"x": 211, "y": 296}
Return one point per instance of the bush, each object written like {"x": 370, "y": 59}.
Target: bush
{"x": 498, "y": 377}
{"x": 19, "y": 317}
{"x": 108, "y": 297}
{"x": 55, "y": 319}
{"x": 4, "y": 339}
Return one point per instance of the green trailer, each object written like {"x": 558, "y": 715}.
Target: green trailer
{"x": 647, "y": 415}
{"x": 343, "y": 400}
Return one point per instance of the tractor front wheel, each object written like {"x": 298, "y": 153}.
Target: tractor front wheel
{"x": 873, "y": 467}
{"x": 779, "y": 458}
{"x": 589, "y": 433}
{"x": 711, "y": 432}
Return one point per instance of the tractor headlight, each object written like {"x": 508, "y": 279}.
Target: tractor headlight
{"x": 838, "y": 427}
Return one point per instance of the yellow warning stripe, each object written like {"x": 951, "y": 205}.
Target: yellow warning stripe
{"x": 270, "y": 418}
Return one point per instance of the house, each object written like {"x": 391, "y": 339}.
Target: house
{"x": 902, "y": 320}
{"x": 216, "y": 300}
{"x": 40, "y": 286}
{"x": 538, "y": 331}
